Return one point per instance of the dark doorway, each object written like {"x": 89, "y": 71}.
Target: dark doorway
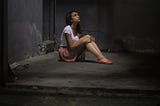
{"x": 49, "y": 8}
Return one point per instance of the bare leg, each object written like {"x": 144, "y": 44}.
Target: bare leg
{"x": 96, "y": 47}
{"x": 91, "y": 46}
{"x": 98, "y": 50}
{"x": 93, "y": 50}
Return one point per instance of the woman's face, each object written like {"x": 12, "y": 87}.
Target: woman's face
{"x": 75, "y": 17}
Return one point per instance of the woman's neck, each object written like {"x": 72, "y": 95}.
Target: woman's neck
{"x": 74, "y": 28}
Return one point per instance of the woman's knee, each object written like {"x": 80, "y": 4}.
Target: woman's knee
{"x": 87, "y": 40}
{"x": 91, "y": 38}
{"x": 88, "y": 36}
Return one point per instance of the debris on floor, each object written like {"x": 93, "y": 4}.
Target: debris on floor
{"x": 19, "y": 67}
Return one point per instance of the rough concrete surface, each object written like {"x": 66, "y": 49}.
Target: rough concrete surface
{"x": 128, "y": 71}
{"x": 132, "y": 80}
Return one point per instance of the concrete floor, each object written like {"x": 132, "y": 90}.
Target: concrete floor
{"x": 128, "y": 73}
{"x": 41, "y": 100}
{"x": 132, "y": 80}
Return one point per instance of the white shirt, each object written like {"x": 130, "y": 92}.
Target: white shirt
{"x": 67, "y": 30}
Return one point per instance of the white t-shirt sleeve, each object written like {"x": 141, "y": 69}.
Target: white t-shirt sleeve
{"x": 67, "y": 30}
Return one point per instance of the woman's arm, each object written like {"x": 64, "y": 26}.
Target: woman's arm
{"x": 71, "y": 43}
{"x": 82, "y": 35}
{"x": 74, "y": 44}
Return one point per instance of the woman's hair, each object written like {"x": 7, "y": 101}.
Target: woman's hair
{"x": 69, "y": 18}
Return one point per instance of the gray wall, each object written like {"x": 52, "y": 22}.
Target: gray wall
{"x": 120, "y": 25}
{"x": 24, "y": 28}
{"x": 135, "y": 25}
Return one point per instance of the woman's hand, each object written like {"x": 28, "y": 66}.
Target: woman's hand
{"x": 93, "y": 38}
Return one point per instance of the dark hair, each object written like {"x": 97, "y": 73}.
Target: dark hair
{"x": 69, "y": 18}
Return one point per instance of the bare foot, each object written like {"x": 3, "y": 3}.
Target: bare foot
{"x": 104, "y": 61}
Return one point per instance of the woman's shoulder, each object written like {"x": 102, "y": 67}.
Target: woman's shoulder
{"x": 68, "y": 27}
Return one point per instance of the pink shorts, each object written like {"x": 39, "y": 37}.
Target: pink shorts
{"x": 66, "y": 55}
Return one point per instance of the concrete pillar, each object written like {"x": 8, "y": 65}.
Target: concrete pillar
{"x": 25, "y": 19}
{"x": 4, "y": 72}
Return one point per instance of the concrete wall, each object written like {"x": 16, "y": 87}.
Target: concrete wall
{"x": 130, "y": 25}
{"x": 24, "y": 28}
{"x": 120, "y": 25}
{"x": 135, "y": 25}
{"x": 4, "y": 72}
{"x": 1, "y": 44}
